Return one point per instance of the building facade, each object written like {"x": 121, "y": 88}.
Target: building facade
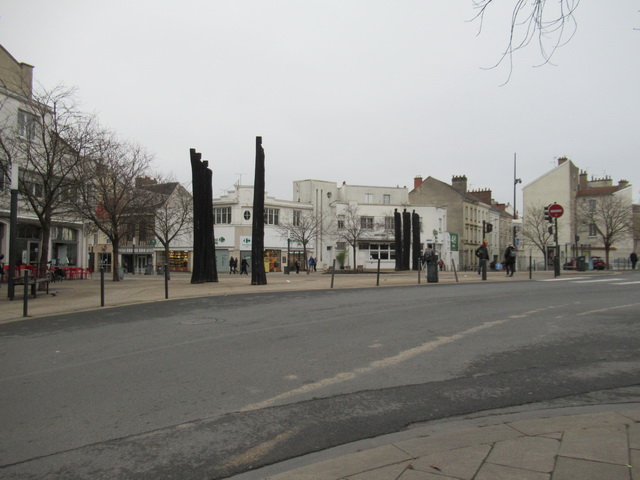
{"x": 18, "y": 127}
{"x": 468, "y": 215}
{"x": 570, "y": 187}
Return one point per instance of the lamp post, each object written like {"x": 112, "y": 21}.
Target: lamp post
{"x": 133, "y": 255}
{"x": 516, "y": 181}
{"x": 13, "y": 229}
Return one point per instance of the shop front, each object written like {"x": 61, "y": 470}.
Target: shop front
{"x": 272, "y": 261}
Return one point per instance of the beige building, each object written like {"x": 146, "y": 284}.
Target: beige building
{"x": 569, "y": 187}
{"x": 468, "y": 214}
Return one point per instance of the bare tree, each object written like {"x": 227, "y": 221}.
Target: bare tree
{"x": 610, "y": 217}
{"x": 173, "y": 212}
{"x": 550, "y": 24}
{"x": 535, "y": 229}
{"x": 51, "y": 139}
{"x": 302, "y": 227}
{"x": 111, "y": 201}
{"x": 352, "y": 227}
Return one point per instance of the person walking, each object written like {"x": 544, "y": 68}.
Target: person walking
{"x": 510, "y": 260}
{"x": 231, "y": 265}
{"x": 311, "y": 264}
{"x": 483, "y": 255}
{"x": 634, "y": 259}
{"x": 297, "y": 266}
{"x": 243, "y": 266}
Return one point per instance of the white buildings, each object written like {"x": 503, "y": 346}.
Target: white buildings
{"x": 326, "y": 204}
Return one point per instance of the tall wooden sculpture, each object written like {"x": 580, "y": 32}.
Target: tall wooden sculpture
{"x": 258, "y": 275}
{"x": 204, "y": 253}
{"x": 415, "y": 223}
{"x": 406, "y": 240}
{"x": 397, "y": 223}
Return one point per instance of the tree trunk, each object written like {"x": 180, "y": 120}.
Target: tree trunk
{"x": 44, "y": 251}
{"x": 115, "y": 263}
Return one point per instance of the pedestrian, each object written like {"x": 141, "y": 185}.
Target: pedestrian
{"x": 243, "y": 266}
{"x": 510, "y": 260}
{"x": 1, "y": 268}
{"x": 633, "y": 257}
{"x": 311, "y": 269}
{"x": 231, "y": 265}
{"x": 315, "y": 264}
{"x": 441, "y": 264}
{"x": 297, "y": 266}
{"x": 483, "y": 255}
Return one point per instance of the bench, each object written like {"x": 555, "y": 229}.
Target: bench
{"x": 34, "y": 282}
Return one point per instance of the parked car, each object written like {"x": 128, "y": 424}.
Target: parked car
{"x": 598, "y": 263}
{"x": 572, "y": 264}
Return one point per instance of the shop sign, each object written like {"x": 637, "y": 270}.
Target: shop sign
{"x": 245, "y": 242}
{"x": 453, "y": 242}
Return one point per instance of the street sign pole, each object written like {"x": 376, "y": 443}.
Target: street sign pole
{"x": 556, "y": 260}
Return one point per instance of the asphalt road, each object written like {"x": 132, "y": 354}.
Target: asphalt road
{"x": 207, "y": 388}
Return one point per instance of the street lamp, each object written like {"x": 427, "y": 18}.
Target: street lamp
{"x": 516, "y": 181}
{"x": 133, "y": 254}
{"x": 13, "y": 229}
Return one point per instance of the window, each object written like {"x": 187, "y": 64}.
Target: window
{"x": 368, "y": 198}
{"x": 389, "y": 223}
{"x": 26, "y": 124}
{"x": 271, "y": 216}
{"x": 34, "y": 189}
{"x": 247, "y": 215}
{"x": 386, "y": 199}
{"x": 382, "y": 251}
{"x": 592, "y": 205}
{"x": 222, "y": 215}
{"x": 366, "y": 223}
{"x": 593, "y": 231}
{"x": 341, "y": 246}
{"x": 296, "y": 218}
{"x": 340, "y": 221}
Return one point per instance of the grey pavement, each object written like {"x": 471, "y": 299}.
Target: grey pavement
{"x": 596, "y": 442}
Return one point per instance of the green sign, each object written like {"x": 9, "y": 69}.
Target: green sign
{"x": 453, "y": 240}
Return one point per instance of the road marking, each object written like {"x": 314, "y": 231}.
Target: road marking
{"x": 259, "y": 451}
{"x": 385, "y": 362}
{"x": 599, "y": 280}
{"x": 602, "y": 310}
{"x": 628, "y": 283}
{"x": 563, "y": 279}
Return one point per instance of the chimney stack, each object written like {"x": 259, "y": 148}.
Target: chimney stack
{"x": 417, "y": 181}
{"x": 459, "y": 183}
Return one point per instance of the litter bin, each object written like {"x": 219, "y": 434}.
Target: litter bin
{"x": 432, "y": 269}
{"x": 160, "y": 270}
{"x": 121, "y": 273}
{"x": 582, "y": 264}
{"x": 148, "y": 270}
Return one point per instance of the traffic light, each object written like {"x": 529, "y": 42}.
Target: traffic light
{"x": 550, "y": 229}
{"x": 547, "y": 215}
{"x": 489, "y": 227}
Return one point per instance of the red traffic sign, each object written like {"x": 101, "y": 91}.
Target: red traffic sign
{"x": 555, "y": 210}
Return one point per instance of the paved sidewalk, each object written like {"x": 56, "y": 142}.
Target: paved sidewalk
{"x": 577, "y": 443}
{"x": 81, "y": 295}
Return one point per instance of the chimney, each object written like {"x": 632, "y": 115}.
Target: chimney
{"x": 483, "y": 195}
{"x": 417, "y": 181}
{"x": 584, "y": 181}
{"x": 561, "y": 160}
{"x": 459, "y": 183}
{"x": 623, "y": 184}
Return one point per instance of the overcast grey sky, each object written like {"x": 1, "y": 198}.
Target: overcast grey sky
{"x": 369, "y": 92}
